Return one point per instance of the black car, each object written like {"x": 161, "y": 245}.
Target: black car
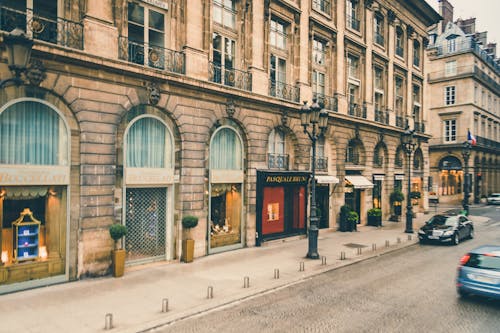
{"x": 446, "y": 228}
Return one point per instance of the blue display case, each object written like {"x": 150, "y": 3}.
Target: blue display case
{"x": 26, "y": 237}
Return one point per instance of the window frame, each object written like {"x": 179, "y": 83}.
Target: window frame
{"x": 450, "y": 130}
{"x": 450, "y": 95}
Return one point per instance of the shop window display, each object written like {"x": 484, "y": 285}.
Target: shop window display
{"x": 225, "y": 215}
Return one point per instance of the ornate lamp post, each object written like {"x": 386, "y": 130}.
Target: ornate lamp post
{"x": 409, "y": 146}
{"x": 318, "y": 119}
{"x": 18, "y": 51}
{"x": 466, "y": 148}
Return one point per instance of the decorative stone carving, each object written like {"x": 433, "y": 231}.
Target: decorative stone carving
{"x": 391, "y": 16}
{"x": 230, "y": 108}
{"x": 36, "y": 72}
{"x": 284, "y": 119}
{"x": 154, "y": 93}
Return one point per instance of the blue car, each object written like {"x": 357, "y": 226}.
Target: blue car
{"x": 479, "y": 272}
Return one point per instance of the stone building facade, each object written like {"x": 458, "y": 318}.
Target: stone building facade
{"x": 148, "y": 111}
{"x": 463, "y": 75}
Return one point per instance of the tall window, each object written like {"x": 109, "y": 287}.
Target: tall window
{"x": 278, "y": 159}
{"x": 449, "y": 98}
{"x": 225, "y": 13}
{"x": 451, "y": 45}
{"x": 450, "y": 130}
{"x": 277, "y": 36}
{"x": 318, "y": 81}
{"x": 353, "y": 66}
{"x": 319, "y": 52}
{"x": 416, "y": 108}
{"x": 416, "y": 53}
{"x": 399, "y": 95}
{"x": 399, "y": 42}
{"x": 32, "y": 133}
{"x": 223, "y": 58}
{"x": 146, "y": 35}
{"x": 352, "y": 17}
{"x": 378, "y": 28}
{"x": 321, "y": 5}
{"x": 277, "y": 75}
{"x": 450, "y": 68}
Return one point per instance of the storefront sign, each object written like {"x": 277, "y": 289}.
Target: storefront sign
{"x": 378, "y": 177}
{"x": 285, "y": 179}
{"x": 157, "y": 3}
{"x": 399, "y": 177}
{"x": 34, "y": 175}
{"x": 149, "y": 176}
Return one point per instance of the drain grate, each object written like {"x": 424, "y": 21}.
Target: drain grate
{"x": 356, "y": 246}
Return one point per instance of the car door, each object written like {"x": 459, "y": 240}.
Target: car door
{"x": 463, "y": 227}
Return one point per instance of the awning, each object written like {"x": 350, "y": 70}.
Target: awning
{"x": 359, "y": 182}
{"x": 326, "y": 179}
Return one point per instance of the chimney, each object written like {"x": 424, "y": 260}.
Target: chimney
{"x": 446, "y": 11}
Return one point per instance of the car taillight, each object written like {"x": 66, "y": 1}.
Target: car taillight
{"x": 464, "y": 259}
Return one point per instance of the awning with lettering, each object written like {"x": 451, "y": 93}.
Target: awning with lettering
{"x": 326, "y": 179}
{"x": 359, "y": 182}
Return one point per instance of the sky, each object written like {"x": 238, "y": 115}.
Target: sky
{"x": 486, "y": 12}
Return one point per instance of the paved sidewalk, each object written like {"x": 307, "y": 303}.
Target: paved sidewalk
{"x": 136, "y": 299}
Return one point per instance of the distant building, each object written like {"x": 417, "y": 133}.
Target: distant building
{"x": 464, "y": 87}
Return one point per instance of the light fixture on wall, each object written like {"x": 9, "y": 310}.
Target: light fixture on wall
{"x": 43, "y": 252}
{"x": 5, "y": 257}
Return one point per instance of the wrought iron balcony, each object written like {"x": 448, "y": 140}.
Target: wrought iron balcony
{"x": 379, "y": 39}
{"x": 352, "y": 23}
{"x": 356, "y": 110}
{"x": 151, "y": 55}
{"x": 321, "y": 163}
{"x": 457, "y": 141}
{"x": 321, "y": 5}
{"x": 352, "y": 158}
{"x": 400, "y": 122}
{"x": 382, "y": 116}
{"x": 378, "y": 160}
{"x": 277, "y": 161}
{"x": 419, "y": 127}
{"x": 398, "y": 162}
{"x": 467, "y": 45}
{"x": 229, "y": 76}
{"x": 55, "y": 31}
{"x": 327, "y": 102}
{"x": 400, "y": 51}
{"x": 284, "y": 91}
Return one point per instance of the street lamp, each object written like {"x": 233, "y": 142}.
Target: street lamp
{"x": 318, "y": 119}
{"x": 409, "y": 147}
{"x": 18, "y": 52}
{"x": 466, "y": 147}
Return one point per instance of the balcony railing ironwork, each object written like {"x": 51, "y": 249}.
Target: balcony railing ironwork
{"x": 284, "y": 91}
{"x": 321, "y": 163}
{"x": 379, "y": 39}
{"x": 382, "y": 116}
{"x": 467, "y": 45}
{"x": 419, "y": 127}
{"x": 398, "y": 161}
{"x": 481, "y": 142}
{"x": 378, "y": 160}
{"x": 356, "y": 110}
{"x": 327, "y": 102}
{"x": 400, "y": 122}
{"x": 152, "y": 56}
{"x": 461, "y": 71}
{"x": 353, "y": 158}
{"x": 277, "y": 161}
{"x": 229, "y": 76}
{"x": 55, "y": 31}
{"x": 352, "y": 22}
{"x": 321, "y": 5}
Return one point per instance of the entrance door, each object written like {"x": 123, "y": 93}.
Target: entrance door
{"x": 353, "y": 200}
{"x": 145, "y": 220}
{"x": 322, "y": 203}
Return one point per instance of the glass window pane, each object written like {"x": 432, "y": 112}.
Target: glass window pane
{"x": 225, "y": 150}
{"x": 147, "y": 144}
{"x": 156, "y": 20}
{"x": 135, "y": 13}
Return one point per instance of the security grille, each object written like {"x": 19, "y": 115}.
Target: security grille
{"x": 145, "y": 221}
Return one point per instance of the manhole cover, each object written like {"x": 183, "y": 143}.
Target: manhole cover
{"x": 354, "y": 245}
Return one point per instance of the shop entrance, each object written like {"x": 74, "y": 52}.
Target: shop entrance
{"x": 145, "y": 220}
{"x": 353, "y": 200}
{"x": 322, "y": 203}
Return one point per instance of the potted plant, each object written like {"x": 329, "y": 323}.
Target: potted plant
{"x": 375, "y": 217}
{"x": 352, "y": 219}
{"x": 396, "y": 198}
{"x": 117, "y": 231}
{"x": 188, "y": 222}
{"x": 415, "y": 196}
{"x": 344, "y": 212}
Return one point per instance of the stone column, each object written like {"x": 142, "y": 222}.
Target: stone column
{"x": 100, "y": 33}
{"x": 196, "y": 56}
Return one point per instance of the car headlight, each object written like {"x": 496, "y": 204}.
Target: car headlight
{"x": 448, "y": 233}
{"x": 421, "y": 232}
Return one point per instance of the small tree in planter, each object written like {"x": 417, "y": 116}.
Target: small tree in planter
{"x": 344, "y": 212}
{"x": 352, "y": 219}
{"x": 375, "y": 217}
{"x": 188, "y": 222}
{"x": 117, "y": 231}
{"x": 396, "y": 198}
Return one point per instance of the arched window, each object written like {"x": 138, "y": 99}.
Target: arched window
{"x": 32, "y": 133}
{"x": 148, "y": 144}
{"x": 354, "y": 153}
{"x": 400, "y": 49}
{"x": 379, "y": 155}
{"x": 225, "y": 150}
{"x": 418, "y": 160}
{"x": 398, "y": 161}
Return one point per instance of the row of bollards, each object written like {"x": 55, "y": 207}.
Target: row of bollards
{"x": 108, "y": 319}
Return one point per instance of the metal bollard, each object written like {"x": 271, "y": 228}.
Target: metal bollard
{"x": 409, "y": 237}
{"x": 323, "y": 260}
{"x": 108, "y": 321}
{"x": 210, "y": 292}
{"x": 276, "y": 273}
{"x": 386, "y": 243}
{"x": 374, "y": 247}
{"x": 301, "y": 266}
{"x": 246, "y": 282}
{"x": 342, "y": 255}
{"x": 164, "y": 305}
{"x": 399, "y": 240}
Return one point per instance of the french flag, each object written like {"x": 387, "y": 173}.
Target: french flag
{"x": 471, "y": 138}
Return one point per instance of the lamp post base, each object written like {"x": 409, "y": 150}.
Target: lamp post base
{"x": 409, "y": 222}
{"x": 312, "y": 252}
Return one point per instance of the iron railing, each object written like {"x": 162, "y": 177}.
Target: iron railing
{"x": 321, "y": 163}
{"x": 352, "y": 158}
{"x": 229, "y": 76}
{"x": 382, "y": 116}
{"x": 55, "y": 31}
{"x": 151, "y": 55}
{"x": 356, "y": 110}
{"x": 378, "y": 160}
{"x": 321, "y": 5}
{"x": 277, "y": 161}
{"x": 481, "y": 142}
{"x": 473, "y": 70}
{"x": 327, "y": 102}
{"x": 398, "y": 161}
{"x": 400, "y": 122}
{"x": 284, "y": 91}
{"x": 352, "y": 22}
{"x": 419, "y": 127}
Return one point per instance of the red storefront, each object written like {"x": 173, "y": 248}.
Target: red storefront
{"x": 281, "y": 204}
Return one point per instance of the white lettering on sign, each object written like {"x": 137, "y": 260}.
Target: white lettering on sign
{"x": 157, "y": 3}
{"x": 34, "y": 175}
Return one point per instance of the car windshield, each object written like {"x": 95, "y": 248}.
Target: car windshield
{"x": 440, "y": 220}
{"x": 484, "y": 262}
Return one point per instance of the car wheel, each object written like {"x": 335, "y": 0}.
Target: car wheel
{"x": 471, "y": 232}
{"x": 462, "y": 293}
{"x": 455, "y": 239}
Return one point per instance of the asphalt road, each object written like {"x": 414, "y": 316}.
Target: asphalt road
{"x": 411, "y": 290}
